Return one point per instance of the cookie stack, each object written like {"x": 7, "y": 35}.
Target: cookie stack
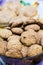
{"x": 21, "y": 35}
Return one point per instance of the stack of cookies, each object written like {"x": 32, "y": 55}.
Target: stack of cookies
{"x": 20, "y": 35}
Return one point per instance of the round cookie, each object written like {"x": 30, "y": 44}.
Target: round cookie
{"x": 14, "y": 44}
{"x": 14, "y": 53}
{"x": 5, "y": 33}
{"x": 29, "y": 37}
{"x": 34, "y": 50}
{"x": 17, "y": 30}
{"x": 33, "y": 26}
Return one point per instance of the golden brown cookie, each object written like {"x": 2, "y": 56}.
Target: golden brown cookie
{"x": 33, "y": 26}
{"x": 14, "y": 44}
{"x": 17, "y": 30}
{"x": 5, "y": 33}
{"x": 29, "y": 37}
{"x": 34, "y": 50}
{"x": 14, "y": 53}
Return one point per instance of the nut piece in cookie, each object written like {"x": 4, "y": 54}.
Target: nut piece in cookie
{"x": 5, "y": 33}
{"x": 34, "y": 50}
{"x": 17, "y": 30}
{"x": 3, "y": 47}
{"x": 14, "y": 44}
{"x": 14, "y": 53}
{"x": 33, "y": 26}
{"x": 29, "y": 37}
{"x": 24, "y": 51}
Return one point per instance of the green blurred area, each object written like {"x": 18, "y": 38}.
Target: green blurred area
{"x": 24, "y": 3}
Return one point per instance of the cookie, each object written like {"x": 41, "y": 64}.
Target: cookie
{"x": 14, "y": 53}
{"x": 5, "y": 33}
{"x": 34, "y": 50}
{"x": 33, "y": 26}
{"x": 29, "y": 37}
{"x": 14, "y": 44}
{"x": 17, "y": 30}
